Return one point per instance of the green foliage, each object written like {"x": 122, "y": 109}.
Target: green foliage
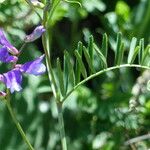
{"x": 97, "y": 113}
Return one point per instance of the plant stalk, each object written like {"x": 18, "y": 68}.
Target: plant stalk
{"x": 13, "y": 116}
{"x": 61, "y": 126}
{"x": 46, "y": 44}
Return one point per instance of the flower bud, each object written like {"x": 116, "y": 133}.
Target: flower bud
{"x": 37, "y": 33}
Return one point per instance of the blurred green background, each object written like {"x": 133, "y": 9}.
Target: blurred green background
{"x": 96, "y": 114}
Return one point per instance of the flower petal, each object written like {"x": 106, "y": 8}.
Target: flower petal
{"x": 35, "y": 67}
{"x": 5, "y": 42}
{"x": 38, "y": 31}
{"x": 13, "y": 80}
{"x": 5, "y": 57}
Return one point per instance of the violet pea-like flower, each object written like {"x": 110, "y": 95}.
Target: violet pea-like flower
{"x": 37, "y": 33}
{"x": 13, "y": 78}
{"x": 6, "y": 43}
{"x": 35, "y": 67}
{"x": 5, "y": 57}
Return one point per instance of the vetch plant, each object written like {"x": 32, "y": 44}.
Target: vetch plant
{"x": 69, "y": 77}
{"x": 13, "y": 78}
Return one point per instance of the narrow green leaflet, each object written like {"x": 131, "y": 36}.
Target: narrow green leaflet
{"x": 73, "y": 2}
{"x": 70, "y": 68}
{"x": 90, "y": 46}
{"x": 135, "y": 54}
{"x": 81, "y": 65}
{"x": 118, "y": 51}
{"x": 141, "y": 50}
{"x": 132, "y": 49}
{"x": 66, "y": 73}
{"x": 80, "y": 47}
{"x": 88, "y": 59}
{"x": 120, "y": 57}
{"x": 105, "y": 45}
{"x": 77, "y": 69}
{"x": 60, "y": 77}
{"x": 101, "y": 56}
{"x": 145, "y": 54}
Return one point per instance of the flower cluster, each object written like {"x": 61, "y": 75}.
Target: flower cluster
{"x": 9, "y": 54}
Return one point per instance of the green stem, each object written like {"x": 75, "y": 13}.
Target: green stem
{"x": 56, "y": 95}
{"x": 101, "y": 72}
{"x": 13, "y": 116}
{"x": 46, "y": 44}
{"x": 21, "y": 48}
{"x": 55, "y": 4}
{"x": 61, "y": 126}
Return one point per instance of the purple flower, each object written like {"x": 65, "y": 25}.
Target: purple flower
{"x": 35, "y": 67}
{"x": 6, "y": 43}
{"x": 5, "y": 56}
{"x": 13, "y": 80}
{"x": 38, "y": 31}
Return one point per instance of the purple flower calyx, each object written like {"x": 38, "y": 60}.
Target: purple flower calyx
{"x": 37, "y": 33}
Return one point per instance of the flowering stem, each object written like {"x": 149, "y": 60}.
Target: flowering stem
{"x": 56, "y": 95}
{"x": 22, "y": 47}
{"x": 13, "y": 116}
{"x": 46, "y": 44}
